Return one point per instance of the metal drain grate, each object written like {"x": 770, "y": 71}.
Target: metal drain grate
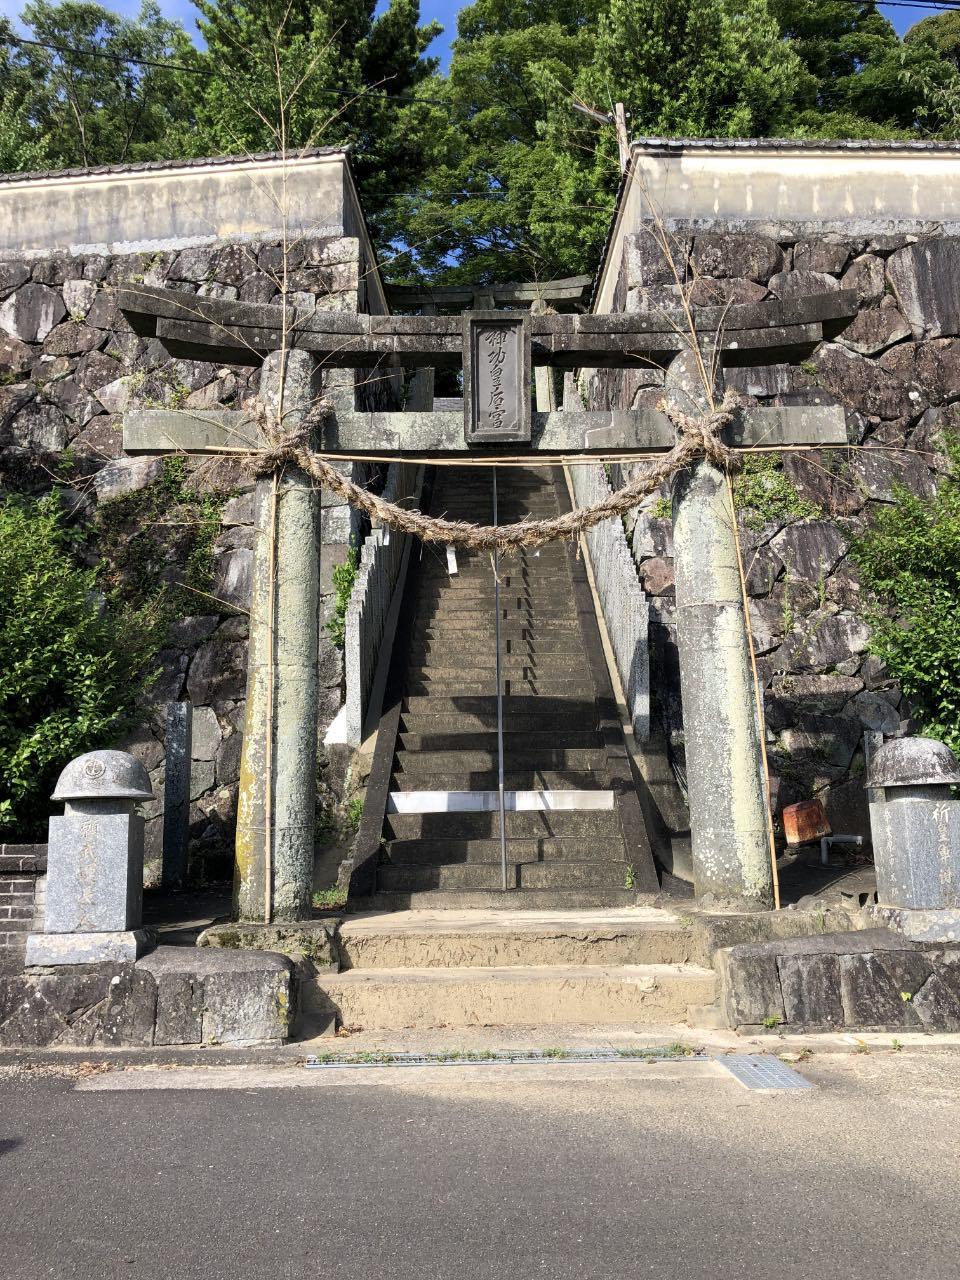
{"x": 523, "y": 1057}
{"x": 755, "y": 1071}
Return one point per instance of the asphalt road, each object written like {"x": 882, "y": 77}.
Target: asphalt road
{"x": 561, "y": 1172}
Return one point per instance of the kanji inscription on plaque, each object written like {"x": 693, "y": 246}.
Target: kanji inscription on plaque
{"x": 496, "y": 376}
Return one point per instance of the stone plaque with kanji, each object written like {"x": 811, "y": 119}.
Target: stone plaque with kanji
{"x": 496, "y": 376}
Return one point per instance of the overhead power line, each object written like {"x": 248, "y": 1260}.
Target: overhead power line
{"x": 943, "y": 6}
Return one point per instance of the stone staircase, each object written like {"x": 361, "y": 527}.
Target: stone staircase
{"x": 640, "y": 966}
{"x": 575, "y": 836}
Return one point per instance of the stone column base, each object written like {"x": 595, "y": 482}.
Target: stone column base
{"x": 931, "y": 924}
{"x": 85, "y": 948}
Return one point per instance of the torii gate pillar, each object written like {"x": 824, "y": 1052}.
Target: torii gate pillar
{"x": 278, "y": 769}
{"x": 726, "y": 779}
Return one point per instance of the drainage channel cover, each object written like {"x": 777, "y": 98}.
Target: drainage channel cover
{"x": 524, "y": 1057}
{"x": 755, "y": 1071}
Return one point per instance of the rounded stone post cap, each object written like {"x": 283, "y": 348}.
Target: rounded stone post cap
{"x": 104, "y": 775}
{"x": 913, "y": 762}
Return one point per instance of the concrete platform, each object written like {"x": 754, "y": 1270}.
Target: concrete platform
{"x": 509, "y": 968}
{"x": 429, "y": 939}
{"x": 521, "y": 995}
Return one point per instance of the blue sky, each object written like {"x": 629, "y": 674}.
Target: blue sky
{"x": 444, "y": 11}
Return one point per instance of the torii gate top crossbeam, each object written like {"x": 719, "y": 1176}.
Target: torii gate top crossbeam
{"x": 571, "y": 294}
{"x": 497, "y": 349}
{"x": 243, "y": 332}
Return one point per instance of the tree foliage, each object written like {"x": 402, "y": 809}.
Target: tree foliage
{"x": 910, "y": 559}
{"x": 492, "y": 163}
{"x": 284, "y": 75}
{"x": 489, "y": 171}
{"x": 693, "y": 69}
{"x": 858, "y": 78}
{"x": 937, "y": 38}
{"x": 73, "y": 660}
{"x": 94, "y": 106}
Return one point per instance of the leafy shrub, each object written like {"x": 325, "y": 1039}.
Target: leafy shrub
{"x": 74, "y": 660}
{"x": 767, "y": 494}
{"x": 344, "y": 577}
{"x": 910, "y": 560}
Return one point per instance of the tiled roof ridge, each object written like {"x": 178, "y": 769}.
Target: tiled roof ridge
{"x": 150, "y": 166}
{"x": 802, "y": 144}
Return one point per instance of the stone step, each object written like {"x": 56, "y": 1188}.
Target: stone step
{"x": 512, "y": 687}
{"x": 547, "y": 583}
{"x": 481, "y": 659}
{"x": 476, "y": 505}
{"x": 537, "y": 725}
{"x": 574, "y": 760}
{"x": 410, "y": 878}
{"x": 517, "y": 712}
{"x": 449, "y": 739}
{"x": 531, "y": 779}
{"x": 480, "y": 633}
{"x": 461, "y": 587}
{"x": 512, "y": 609}
{"x": 491, "y": 939}
{"x": 438, "y": 852}
{"x": 587, "y": 995}
{"x": 512, "y": 640}
{"x": 451, "y": 631}
{"x": 574, "y": 673}
{"x": 544, "y": 569}
{"x": 529, "y": 824}
{"x": 514, "y": 900}
{"x": 482, "y": 601}
{"x": 541, "y": 647}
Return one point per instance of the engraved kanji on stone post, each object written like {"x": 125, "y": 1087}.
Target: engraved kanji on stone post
{"x": 496, "y": 377}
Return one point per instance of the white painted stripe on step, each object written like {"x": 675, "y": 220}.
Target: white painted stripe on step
{"x": 451, "y": 560}
{"x": 489, "y": 801}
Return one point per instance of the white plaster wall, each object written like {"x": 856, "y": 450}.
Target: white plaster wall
{"x": 126, "y": 210}
{"x": 766, "y": 186}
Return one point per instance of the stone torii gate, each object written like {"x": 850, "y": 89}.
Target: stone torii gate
{"x": 498, "y": 350}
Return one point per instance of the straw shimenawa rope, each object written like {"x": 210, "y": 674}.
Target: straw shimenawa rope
{"x": 697, "y": 437}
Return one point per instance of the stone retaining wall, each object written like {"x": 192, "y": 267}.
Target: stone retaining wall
{"x": 173, "y": 996}
{"x": 868, "y": 980}
{"x": 896, "y": 371}
{"x": 69, "y": 367}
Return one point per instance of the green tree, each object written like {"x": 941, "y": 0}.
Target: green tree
{"x": 910, "y": 560}
{"x": 471, "y": 219}
{"x": 21, "y": 147}
{"x": 941, "y": 31}
{"x": 97, "y": 105}
{"x": 936, "y": 37}
{"x": 858, "y": 78}
{"x": 695, "y": 68}
{"x": 73, "y": 660}
{"x": 522, "y": 184}
{"x": 290, "y": 74}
